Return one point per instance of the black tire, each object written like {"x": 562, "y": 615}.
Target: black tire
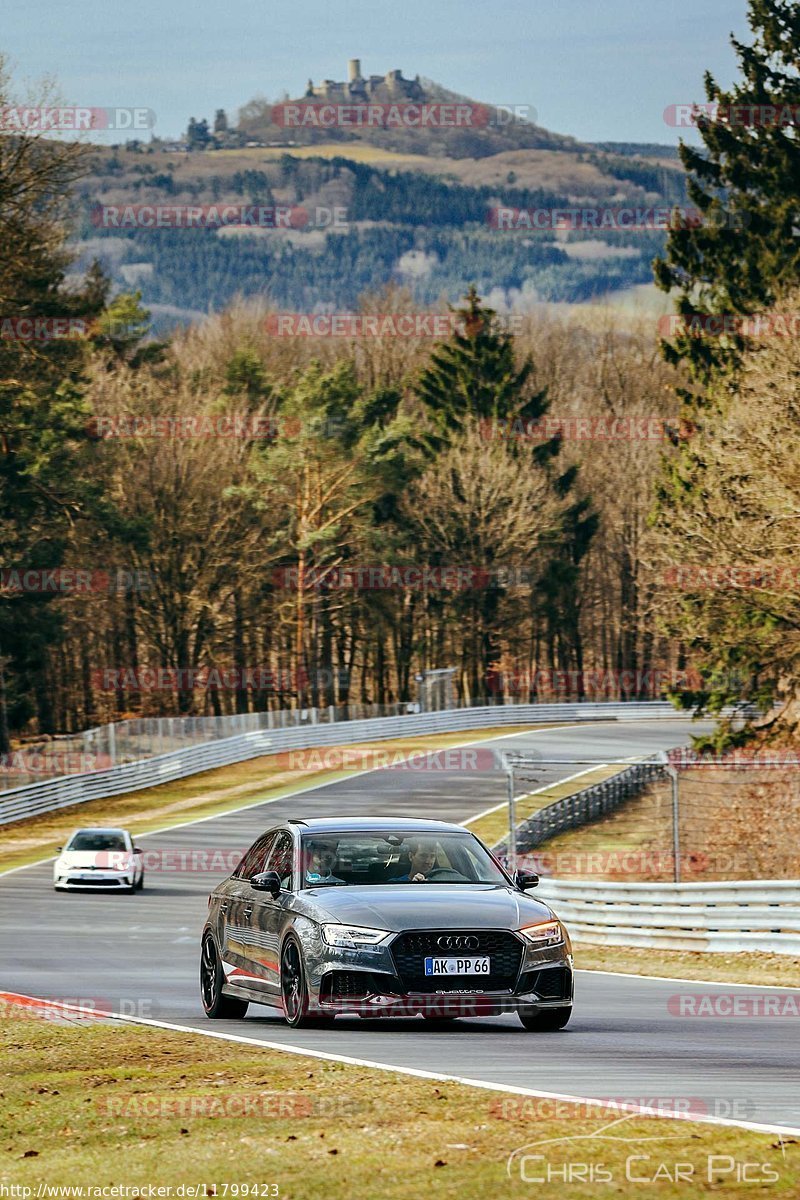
{"x": 216, "y": 1004}
{"x": 294, "y": 990}
{"x": 548, "y": 1021}
{"x": 140, "y": 884}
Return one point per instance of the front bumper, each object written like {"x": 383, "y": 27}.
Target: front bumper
{"x": 69, "y": 878}
{"x": 370, "y": 983}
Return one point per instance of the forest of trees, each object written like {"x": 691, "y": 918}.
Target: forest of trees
{"x": 322, "y": 520}
{"x": 388, "y": 214}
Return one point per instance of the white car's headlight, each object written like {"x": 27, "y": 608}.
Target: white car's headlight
{"x": 545, "y": 933}
{"x": 352, "y": 937}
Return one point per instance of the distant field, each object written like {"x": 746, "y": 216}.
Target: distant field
{"x": 356, "y": 151}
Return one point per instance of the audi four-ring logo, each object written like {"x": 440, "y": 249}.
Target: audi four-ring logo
{"x": 451, "y": 942}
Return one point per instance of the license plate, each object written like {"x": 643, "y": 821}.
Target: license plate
{"x": 458, "y": 966}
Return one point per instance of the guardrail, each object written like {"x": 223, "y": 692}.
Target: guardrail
{"x": 589, "y": 804}
{"x": 32, "y": 799}
{"x": 762, "y": 915}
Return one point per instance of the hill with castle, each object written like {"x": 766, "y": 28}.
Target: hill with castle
{"x": 415, "y": 204}
{"x": 261, "y": 123}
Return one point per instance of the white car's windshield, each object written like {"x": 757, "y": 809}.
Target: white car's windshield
{"x": 338, "y": 859}
{"x": 89, "y": 839}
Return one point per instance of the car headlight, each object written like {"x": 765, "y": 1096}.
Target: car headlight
{"x": 545, "y": 933}
{"x": 352, "y": 937}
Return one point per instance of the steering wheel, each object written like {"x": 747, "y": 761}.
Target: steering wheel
{"x": 441, "y": 874}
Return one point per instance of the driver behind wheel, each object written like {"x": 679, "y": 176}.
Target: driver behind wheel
{"x": 422, "y": 854}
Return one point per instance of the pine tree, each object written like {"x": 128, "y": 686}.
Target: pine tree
{"x": 746, "y": 183}
{"x": 474, "y": 377}
{"x": 47, "y": 484}
{"x": 749, "y": 169}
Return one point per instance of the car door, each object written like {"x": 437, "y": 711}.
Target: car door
{"x": 236, "y": 913}
{"x": 269, "y": 913}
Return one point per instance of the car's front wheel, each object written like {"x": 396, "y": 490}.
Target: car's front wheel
{"x": 547, "y": 1020}
{"x": 217, "y": 1005}
{"x": 294, "y": 989}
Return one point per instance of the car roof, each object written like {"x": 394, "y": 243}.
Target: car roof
{"x": 374, "y": 825}
{"x": 98, "y": 829}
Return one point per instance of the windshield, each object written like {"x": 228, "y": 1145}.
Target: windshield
{"x": 91, "y": 840}
{"x": 330, "y": 860}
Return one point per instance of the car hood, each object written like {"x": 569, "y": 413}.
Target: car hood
{"x": 427, "y": 906}
{"x": 103, "y": 859}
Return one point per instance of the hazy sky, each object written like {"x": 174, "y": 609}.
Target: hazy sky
{"x": 596, "y": 71}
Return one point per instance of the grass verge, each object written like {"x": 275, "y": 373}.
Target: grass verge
{"x": 213, "y": 792}
{"x": 763, "y": 969}
{"x": 101, "y": 1104}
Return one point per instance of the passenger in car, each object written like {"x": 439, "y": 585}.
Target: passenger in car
{"x": 322, "y": 861}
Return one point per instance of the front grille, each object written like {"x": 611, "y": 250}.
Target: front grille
{"x": 95, "y": 882}
{"x": 409, "y": 951}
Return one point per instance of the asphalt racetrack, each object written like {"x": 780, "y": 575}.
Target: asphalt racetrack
{"x": 139, "y": 954}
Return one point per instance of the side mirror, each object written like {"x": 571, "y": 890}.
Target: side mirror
{"x": 526, "y": 880}
{"x": 138, "y": 850}
{"x": 59, "y": 849}
{"x": 267, "y": 881}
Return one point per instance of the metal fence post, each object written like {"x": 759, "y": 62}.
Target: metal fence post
{"x": 676, "y": 841}
{"x": 512, "y": 823}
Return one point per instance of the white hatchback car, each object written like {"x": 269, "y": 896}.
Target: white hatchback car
{"x": 99, "y": 858}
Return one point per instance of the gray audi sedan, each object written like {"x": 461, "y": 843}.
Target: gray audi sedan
{"x": 382, "y": 917}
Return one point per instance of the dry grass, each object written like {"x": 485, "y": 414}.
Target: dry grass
{"x": 73, "y": 1110}
{"x": 751, "y": 967}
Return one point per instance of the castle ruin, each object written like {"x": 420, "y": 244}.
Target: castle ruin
{"x": 389, "y": 87}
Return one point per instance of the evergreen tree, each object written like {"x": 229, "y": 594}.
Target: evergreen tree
{"x": 745, "y": 180}
{"x": 47, "y": 485}
{"x": 474, "y": 377}
{"x": 749, "y": 169}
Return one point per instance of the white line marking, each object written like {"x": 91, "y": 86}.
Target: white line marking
{"x": 416, "y": 1072}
